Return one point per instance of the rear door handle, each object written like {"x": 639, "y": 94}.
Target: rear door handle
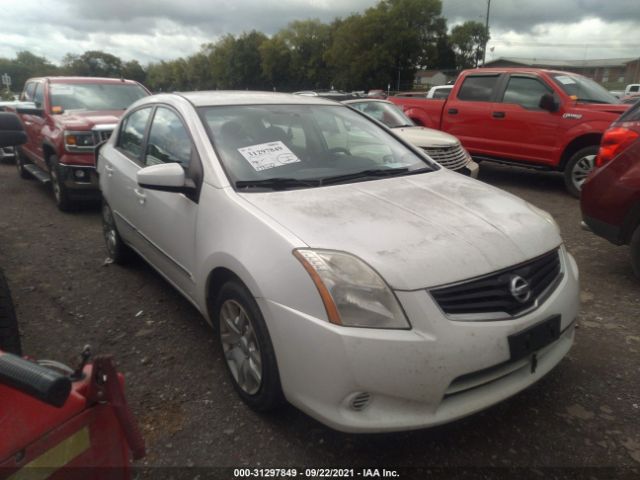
{"x": 140, "y": 194}
{"x": 452, "y": 111}
{"x": 498, "y": 114}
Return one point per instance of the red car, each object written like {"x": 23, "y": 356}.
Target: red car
{"x": 610, "y": 198}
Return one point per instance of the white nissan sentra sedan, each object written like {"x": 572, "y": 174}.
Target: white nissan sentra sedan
{"x": 366, "y": 285}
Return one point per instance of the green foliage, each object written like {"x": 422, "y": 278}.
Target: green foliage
{"x": 384, "y": 45}
{"x": 468, "y": 41}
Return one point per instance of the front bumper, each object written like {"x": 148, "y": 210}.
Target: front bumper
{"x": 7, "y": 153}
{"x": 371, "y": 380}
{"x": 79, "y": 180}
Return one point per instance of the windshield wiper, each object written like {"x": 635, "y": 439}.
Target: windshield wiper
{"x": 278, "y": 183}
{"x": 377, "y": 172}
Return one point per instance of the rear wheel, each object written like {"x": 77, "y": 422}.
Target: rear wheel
{"x": 60, "y": 192}
{"x": 247, "y": 348}
{"x": 578, "y": 168}
{"x": 117, "y": 250}
{"x": 9, "y": 335}
{"x": 635, "y": 251}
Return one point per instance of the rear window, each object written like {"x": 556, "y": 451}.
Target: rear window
{"x": 631, "y": 115}
{"x": 478, "y": 88}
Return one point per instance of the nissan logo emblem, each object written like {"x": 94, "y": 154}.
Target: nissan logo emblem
{"x": 519, "y": 289}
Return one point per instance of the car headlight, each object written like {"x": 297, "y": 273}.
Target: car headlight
{"x": 79, "y": 141}
{"x": 353, "y": 293}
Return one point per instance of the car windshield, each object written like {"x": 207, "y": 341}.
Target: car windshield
{"x": 384, "y": 112}
{"x": 583, "y": 88}
{"x": 301, "y": 146}
{"x": 95, "y": 96}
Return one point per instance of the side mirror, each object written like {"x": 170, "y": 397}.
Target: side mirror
{"x": 548, "y": 102}
{"x": 165, "y": 177}
{"x": 29, "y": 108}
{"x": 11, "y": 130}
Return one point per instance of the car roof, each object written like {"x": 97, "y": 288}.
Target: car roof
{"x": 244, "y": 97}
{"x": 85, "y": 80}
{"x": 366, "y": 100}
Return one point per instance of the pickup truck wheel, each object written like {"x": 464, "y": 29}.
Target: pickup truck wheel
{"x": 578, "y": 168}
{"x": 247, "y": 348}
{"x": 9, "y": 335}
{"x": 60, "y": 193}
{"x": 117, "y": 250}
{"x": 635, "y": 251}
{"x": 20, "y": 163}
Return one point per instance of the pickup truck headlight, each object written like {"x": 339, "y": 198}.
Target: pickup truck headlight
{"x": 79, "y": 141}
{"x": 353, "y": 293}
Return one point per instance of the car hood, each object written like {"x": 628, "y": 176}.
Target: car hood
{"x": 616, "y": 109}
{"x": 416, "y": 231}
{"x": 86, "y": 120}
{"x": 425, "y": 137}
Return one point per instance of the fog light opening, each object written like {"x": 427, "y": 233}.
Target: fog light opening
{"x": 359, "y": 401}
{"x": 79, "y": 174}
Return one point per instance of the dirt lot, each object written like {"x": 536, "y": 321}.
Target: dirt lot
{"x": 586, "y": 413}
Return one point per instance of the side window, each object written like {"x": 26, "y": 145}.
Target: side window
{"x": 169, "y": 141}
{"x": 132, "y": 132}
{"x": 525, "y": 91}
{"x": 477, "y": 88}
{"x": 38, "y": 96}
{"x": 27, "y": 95}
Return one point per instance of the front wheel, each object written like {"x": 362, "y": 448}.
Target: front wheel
{"x": 9, "y": 335}
{"x": 247, "y": 348}
{"x": 60, "y": 192}
{"x": 578, "y": 168}
{"x": 20, "y": 163}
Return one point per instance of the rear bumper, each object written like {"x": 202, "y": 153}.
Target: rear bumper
{"x": 613, "y": 233}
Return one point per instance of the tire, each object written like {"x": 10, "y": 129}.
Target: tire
{"x": 60, "y": 192}
{"x": 20, "y": 163}
{"x": 117, "y": 250}
{"x": 9, "y": 335}
{"x": 634, "y": 245}
{"x": 247, "y": 349}
{"x": 577, "y": 169}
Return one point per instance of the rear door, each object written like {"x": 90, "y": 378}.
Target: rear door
{"x": 34, "y": 92}
{"x": 118, "y": 174}
{"x": 519, "y": 128}
{"x": 466, "y": 113}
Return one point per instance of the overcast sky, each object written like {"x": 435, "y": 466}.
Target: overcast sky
{"x": 152, "y": 30}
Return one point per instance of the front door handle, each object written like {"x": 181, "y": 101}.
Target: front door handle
{"x": 452, "y": 111}
{"x": 109, "y": 170}
{"x": 498, "y": 114}
{"x": 140, "y": 194}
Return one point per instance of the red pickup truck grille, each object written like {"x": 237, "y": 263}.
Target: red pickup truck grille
{"x": 453, "y": 158}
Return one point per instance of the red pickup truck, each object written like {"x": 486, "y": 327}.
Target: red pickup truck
{"x": 530, "y": 117}
{"x": 65, "y": 117}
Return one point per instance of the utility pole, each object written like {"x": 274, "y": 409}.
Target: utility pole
{"x": 486, "y": 29}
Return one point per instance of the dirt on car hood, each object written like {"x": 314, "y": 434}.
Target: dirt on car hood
{"x": 416, "y": 231}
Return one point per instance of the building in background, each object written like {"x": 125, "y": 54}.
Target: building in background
{"x": 610, "y": 72}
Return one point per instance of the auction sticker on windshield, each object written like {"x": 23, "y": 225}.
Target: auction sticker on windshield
{"x": 268, "y": 155}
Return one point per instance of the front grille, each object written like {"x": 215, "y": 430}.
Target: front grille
{"x": 453, "y": 157}
{"x": 494, "y": 293}
{"x": 101, "y": 135}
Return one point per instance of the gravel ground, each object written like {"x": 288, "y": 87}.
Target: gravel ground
{"x": 585, "y": 413}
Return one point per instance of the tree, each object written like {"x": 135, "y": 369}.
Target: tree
{"x": 25, "y": 66}
{"x": 468, "y": 41}
{"x": 132, "y": 70}
{"x": 92, "y": 63}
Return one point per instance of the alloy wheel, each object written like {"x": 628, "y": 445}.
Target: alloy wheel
{"x": 240, "y": 346}
{"x": 581, "y": 170}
